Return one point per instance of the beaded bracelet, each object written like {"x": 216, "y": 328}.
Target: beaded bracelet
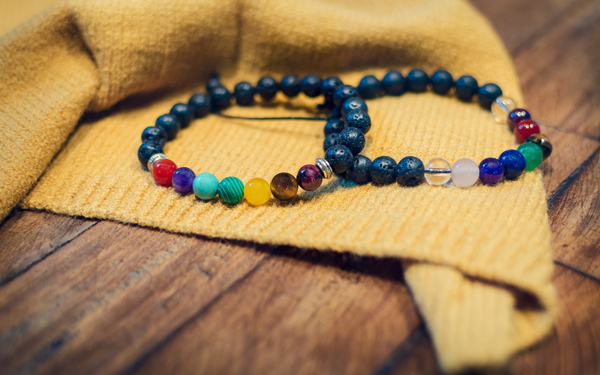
{"x": 344, "y": 131}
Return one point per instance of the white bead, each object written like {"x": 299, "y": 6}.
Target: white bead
{"x": 437, "y": 171}
{"x": 465, "y": 172}
{"x": 501, "y": 107}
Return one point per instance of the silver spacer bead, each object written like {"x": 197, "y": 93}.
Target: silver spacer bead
{"x": 325, "y": 168}
{"x": 154, "y": 158}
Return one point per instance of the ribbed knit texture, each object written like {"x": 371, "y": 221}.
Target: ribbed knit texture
{"x": 471, "y": 248}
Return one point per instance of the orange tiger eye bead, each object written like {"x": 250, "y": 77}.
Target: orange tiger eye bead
{"x": 284, "y": 186}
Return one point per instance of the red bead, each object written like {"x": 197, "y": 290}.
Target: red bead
{"x": 162, "y": 171}
{"x": 524, "y": 129}
{"x": 309, "y": 177}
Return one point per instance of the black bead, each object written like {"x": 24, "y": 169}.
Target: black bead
{"x": 358, "y": 119}
{"x": 311, "y": 85}
{"x": 343, "y": 93}
{"x": 339, "y": 157}
{"x": 352, "y": 138}
{"x": 154, "y": 134}
{"x": 169, "y": 124}
{"x": 329, "y": 85}
{"x": 200, "y": 104}
{"x": 336, "y": 113}
{"x": 488, "y": 94}
{"x": 184, "y": 114}
{"x": 394, "y": 83}
{"x": 354, "y": 104}
{"x": 290, "y": 85}
{"x": 359, "y": 170}
{"x": 383, "y": 170}
{"x": 244, "y": 94}
{"x": 417, "y": 80}
{"x": 410, "y": 171}
{"x": 466, "y": 87}
{"x": 146, "y": 150}
{"x": 330, "y": 140}
{"x": 441, "y": 82}
{"x": 267, "y": 87}
{"x": 369, "y": 87}
{"x": 334, "y": 126}
{"x": 220, "y": 98}
{"x": 213, "y": 83}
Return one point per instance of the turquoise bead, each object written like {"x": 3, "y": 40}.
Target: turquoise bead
{"x": 231, "y": 190}
{"x": 205, "y": 186}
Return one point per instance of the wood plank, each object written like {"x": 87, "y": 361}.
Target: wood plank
{"x": 300, "y": 313}
{"x": 110, "y": 295}
{"x": 27, "y": 237}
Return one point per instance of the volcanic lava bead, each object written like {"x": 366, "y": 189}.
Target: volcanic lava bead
{"x": 410, "y": 171}
{"x": 329, "y": 85}
{"x": 352, "y": 138}
{"x": 524, "y": 129}
{"x": 393, "y": 83}
{"x": 267, "y": 87}
{"x": 213, "y": 83}
{"x": 183, "y": 180}
{"x": 533, "y": 155}
{"x": 200, "y": 105}
{"x": 490, "y": 171}
{"x": 359, "y": 170}
{"x": 513, "y": 162}
{"x": 169, "y": 124}
{"x": 543, "y": 142}
{"x": 339, "y": 157}
{"x": 284, "y": 186}
{"x": 383, "y": 170}
{"x": 162, "y": 172}
{"x": 155, "y": 135}
{"x": 358, "y": 119}
{"x": 290, "y": 86}
{"x": 244, "y": 94}
{"x": 516, "y": 116}
{"x": 487, "y": 94}
{"x": 334, "y": 125}
{"x": 330, "y": 140}
{"x": 231, "y": 190}
{"x": 353, "y": 104}
{"x": 343, "y": 93}
{"x": 466, "y": 87}
{"x": 205, "y": 186}
{"x": 257, "y": 192}
{"x": 311, "y": 85}
{"x": 417, "y": 80}
{"x": 441, "y": 82}
{"x": 309, "y": 177}
{"x": 146, "y": 150}
{"x": 220, "y": 98}
{"x": 369, "y": 87}
{"x": 183, "y": 113}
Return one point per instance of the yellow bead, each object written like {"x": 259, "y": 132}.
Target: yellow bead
{"x": 257, "y": 191}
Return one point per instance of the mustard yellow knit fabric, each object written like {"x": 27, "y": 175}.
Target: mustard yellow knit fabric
{"x": 469, "y": 249}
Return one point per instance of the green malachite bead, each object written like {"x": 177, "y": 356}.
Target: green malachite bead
{"x": 533, "y": 155}
{"x": 231, "y": 190}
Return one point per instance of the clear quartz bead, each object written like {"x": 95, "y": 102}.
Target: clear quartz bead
{"x": 465, "y": 172}
{"x": 437, "y": 171}
{"x": 501, "y": 107}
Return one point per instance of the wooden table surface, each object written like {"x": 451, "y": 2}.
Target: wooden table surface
{"x": 80, "y": 296}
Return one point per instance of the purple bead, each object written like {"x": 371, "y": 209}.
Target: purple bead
{"x": 515, "y": 116}
{"x": 490, "y": 171}
{"x": 183, "y": 180}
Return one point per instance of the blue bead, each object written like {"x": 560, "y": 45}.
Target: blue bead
{"x": 184, "y": 114}
{"x": 311, "y": 85}
{"x": 213, "y": 83}
{"x": 491, "y": 171}
{"x": 343, "y": 93}
{"x": 353, "y": 139}
{"x": 358, "y": 119}
{"x": 330, "y": 140}
{"x": 410, "y": 171}
{"x": 466, "y": 87}
{"x": 183, "y": 180}
{"x": 290, "y": 85}
{"x": 205, "y": 186}
{"x": 244, "y": 94}
{"x": 394, "y": 83}
{"x": 334, "y": 126}
{"x": 329, "y": 85}
{"x": 220, "y": 98}
{"x": 146, "y": 150}
{"x": 441, "y": 82}
{"x": 514, "y": 164}
{"x": 383, "y": 170}
{"x": 417, "y": 80}
{"x": 354, "y": 104}
{"x": 488, "y": 94}
{"x": 200, "y": 104}
{"x": 369, "y": 87}
{"x": 267, "y": 87}
{"x": 339, "y": 157}
{"x": 359, "y": 170}
{"x": 169, "y": 124}
{"x": 154, "y": 134}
